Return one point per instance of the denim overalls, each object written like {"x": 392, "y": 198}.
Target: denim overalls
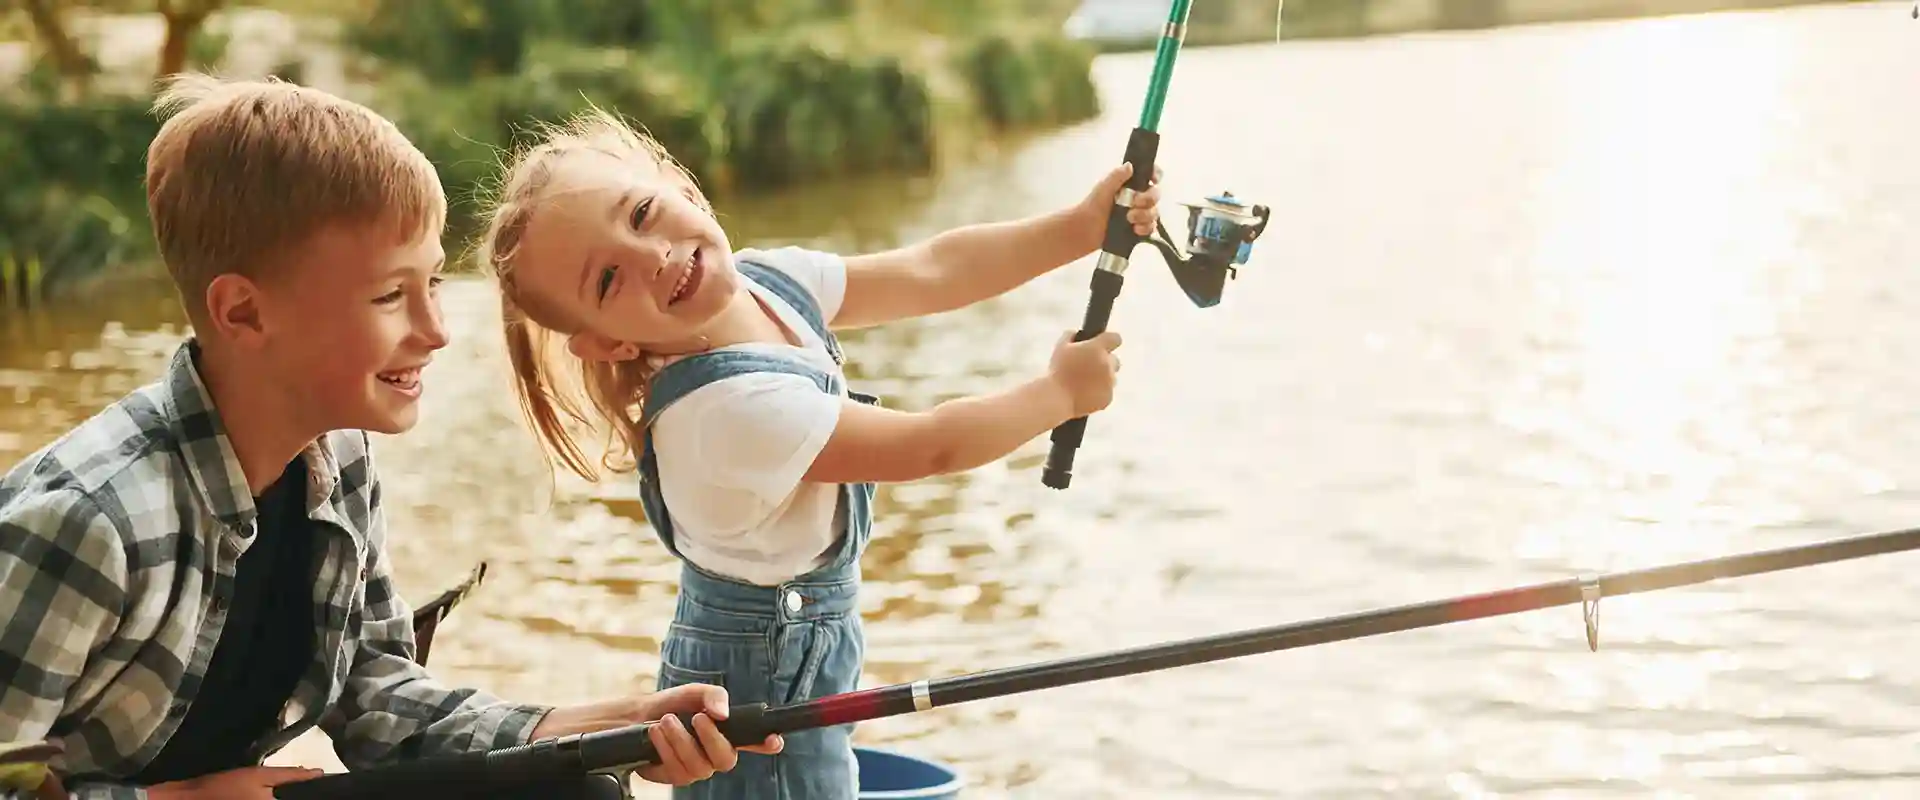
{"x": 769, "y": 644}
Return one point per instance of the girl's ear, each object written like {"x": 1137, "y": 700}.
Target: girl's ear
{"x": 594, "y": 347}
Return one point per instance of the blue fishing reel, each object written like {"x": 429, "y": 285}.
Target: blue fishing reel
{"x": 1220, "y": 234}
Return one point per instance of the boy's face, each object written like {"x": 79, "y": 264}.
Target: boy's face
{"x": 349, "y": 325}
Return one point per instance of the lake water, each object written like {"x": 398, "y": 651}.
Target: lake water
{"x": 1536, "y": 303}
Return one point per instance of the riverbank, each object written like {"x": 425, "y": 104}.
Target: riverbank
{"x": 746, "y": 104}
{"x": 1118, "y": 26}
{"x": 1316, "y": 19}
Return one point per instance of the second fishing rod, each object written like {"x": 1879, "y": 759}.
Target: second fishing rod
{"x": 617, "y": 751}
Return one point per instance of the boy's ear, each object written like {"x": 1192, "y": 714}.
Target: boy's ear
{"x": 594, "y": 347}
{"x": 233, "y": 308}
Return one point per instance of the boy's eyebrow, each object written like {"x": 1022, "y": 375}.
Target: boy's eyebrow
{"x": 439, "y": 264}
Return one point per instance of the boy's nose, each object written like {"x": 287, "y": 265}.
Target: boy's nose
{"x": 429, "y": 327}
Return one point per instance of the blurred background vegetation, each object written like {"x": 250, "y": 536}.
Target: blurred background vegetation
{"x": 748, "y": 93}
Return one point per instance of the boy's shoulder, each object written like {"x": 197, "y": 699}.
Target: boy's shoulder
{"x": 114, "y": 464}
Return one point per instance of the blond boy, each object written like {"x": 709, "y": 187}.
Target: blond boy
{"x": 197, "y": 575}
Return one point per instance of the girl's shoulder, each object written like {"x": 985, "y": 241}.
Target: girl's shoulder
{"x": 821, "y": 274}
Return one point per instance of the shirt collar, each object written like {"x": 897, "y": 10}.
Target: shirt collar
{"x": 211, "y": 464}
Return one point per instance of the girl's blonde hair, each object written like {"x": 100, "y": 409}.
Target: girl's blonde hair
{"x": 535, "y": 329}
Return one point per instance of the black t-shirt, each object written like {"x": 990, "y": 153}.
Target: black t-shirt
{"x": 267, "y": 644}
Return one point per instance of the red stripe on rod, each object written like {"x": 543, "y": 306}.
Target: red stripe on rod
{"x": 856, "y": 706}
{"x": 1508, "y": 601}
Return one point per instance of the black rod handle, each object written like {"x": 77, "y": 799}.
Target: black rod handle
{"x": 1108, "y": 277}
{"x": 545, "y": 762}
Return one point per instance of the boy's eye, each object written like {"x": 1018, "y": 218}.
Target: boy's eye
{"x": 433, "y": 283}
{"x": 639, "y": 214}
{"x": 606, "y": 280}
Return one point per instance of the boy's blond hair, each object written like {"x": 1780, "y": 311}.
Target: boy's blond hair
{"x": 534, "y": 329}
{"x": 244, "y": 172}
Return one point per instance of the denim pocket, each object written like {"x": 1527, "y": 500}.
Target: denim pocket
{"x": 739, "y": 663}
{"x": 672, "y": 675}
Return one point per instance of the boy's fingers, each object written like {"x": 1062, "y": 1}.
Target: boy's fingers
{"x": 719, "y": 751}
{"x": 773, "y": 744}
{"x": 671, "y": 766}
{"x": 274, "y": 776}
{"x": 691, "y": 758}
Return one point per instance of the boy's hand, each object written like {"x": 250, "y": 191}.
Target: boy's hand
{"x": 1086, "y": 370}
{"x": 686, "y": 756}
{"x": 245, "y": 783}
{"x": 1143, "y": 212}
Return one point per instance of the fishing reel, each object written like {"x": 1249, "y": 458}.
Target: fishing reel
{"x": 1220, "y": 234}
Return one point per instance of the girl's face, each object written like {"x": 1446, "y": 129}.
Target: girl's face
{"x": 625, "y": 253}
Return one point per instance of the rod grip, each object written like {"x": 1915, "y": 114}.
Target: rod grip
{"x": 746, "y": 724}
{"x": 548, "y": 762}
{"x": 1058, "y": 473}
{"x": 463, "y": 775}
{"x": 1117, "y": 244}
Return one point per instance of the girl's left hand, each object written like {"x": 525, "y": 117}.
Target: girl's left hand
{"x": 1143, "y": 212}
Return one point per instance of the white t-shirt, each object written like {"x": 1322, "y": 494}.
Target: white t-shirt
{"x": 731, "y": 453}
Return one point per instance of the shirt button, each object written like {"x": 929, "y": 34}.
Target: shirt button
{"x": 793, "y": 602}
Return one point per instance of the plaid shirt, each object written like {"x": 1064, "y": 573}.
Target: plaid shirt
{"x": 118, "y": 543}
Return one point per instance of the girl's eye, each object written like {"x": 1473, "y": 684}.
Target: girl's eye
{"x": 639, "y": 214}
{"x": 606, "y": 280}
{"x": 390, "y": 297}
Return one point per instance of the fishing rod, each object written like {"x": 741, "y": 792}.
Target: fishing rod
{"x": 619, "y": 750}
{"x": 1220, "y": 234}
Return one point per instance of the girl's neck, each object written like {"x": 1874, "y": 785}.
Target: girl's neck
{"x": 746, "y": 319}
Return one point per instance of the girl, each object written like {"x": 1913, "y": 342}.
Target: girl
{"x": 719, "y": 377}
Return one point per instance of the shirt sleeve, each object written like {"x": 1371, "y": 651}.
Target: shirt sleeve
{"x": 63, "y": 579}
{"x": 751, "y": 436}
{"x": 824, "y": 274}
{"x": 391, "y": 707}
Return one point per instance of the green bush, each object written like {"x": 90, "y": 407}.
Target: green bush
{"x": 1025, "y": 80}
{"x": 745, "y": 93}
{"x": 73, "y": 200}
{"x": 803, "y": 107}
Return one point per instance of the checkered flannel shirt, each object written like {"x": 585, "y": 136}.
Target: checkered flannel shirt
{"x": 118, "y": 543}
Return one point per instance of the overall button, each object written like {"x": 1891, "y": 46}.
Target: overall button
{"x": 793, "y": 602}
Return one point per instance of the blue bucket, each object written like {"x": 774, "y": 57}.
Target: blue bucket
{"x": 892, "y": 775}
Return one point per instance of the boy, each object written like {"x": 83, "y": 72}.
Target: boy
{"x": 197, "y": 575}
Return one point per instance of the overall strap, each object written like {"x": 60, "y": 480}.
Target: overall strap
{"x": 789, "y": 290}
{"x": 680, "y": 378}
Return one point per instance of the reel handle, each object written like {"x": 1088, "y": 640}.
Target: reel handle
{"x": 1108, "y": 277}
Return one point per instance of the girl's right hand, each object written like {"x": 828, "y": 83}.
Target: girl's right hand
{"x": 1086, "y": 370}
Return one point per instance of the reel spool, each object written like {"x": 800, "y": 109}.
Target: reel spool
{"x": 1220, "y": 234}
